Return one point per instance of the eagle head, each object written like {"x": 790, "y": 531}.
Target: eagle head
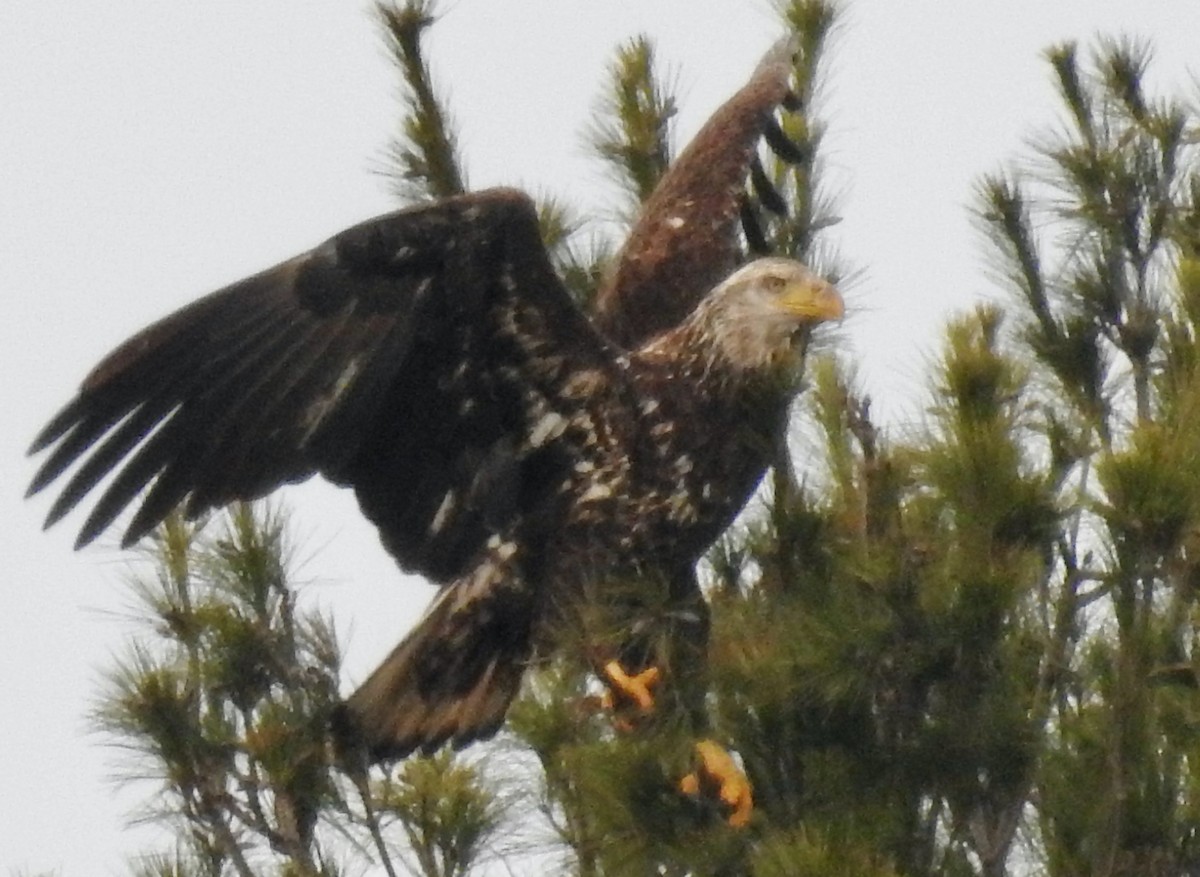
{"x": 761, "y": 316}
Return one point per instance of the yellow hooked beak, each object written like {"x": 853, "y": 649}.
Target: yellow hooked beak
{"x": 813, "y": 299}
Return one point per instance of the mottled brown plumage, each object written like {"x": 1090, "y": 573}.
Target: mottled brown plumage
{"x": 506, "y": 446}
{"x": 649, "y": 460}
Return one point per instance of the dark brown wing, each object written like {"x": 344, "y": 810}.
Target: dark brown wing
{"x": 385, "y": 359}
{"x": 685, "y": 241}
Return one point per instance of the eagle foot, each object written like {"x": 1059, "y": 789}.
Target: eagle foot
{"x": 628, "y": 696}
{"x": 718, "y": 777}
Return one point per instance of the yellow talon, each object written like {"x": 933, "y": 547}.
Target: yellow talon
{"x": 623, "y": 687}
{"x": 719, "y": 772}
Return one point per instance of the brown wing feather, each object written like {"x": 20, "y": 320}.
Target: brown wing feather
{"x": 374, "y": 359}
{"x": 685, "y": 240}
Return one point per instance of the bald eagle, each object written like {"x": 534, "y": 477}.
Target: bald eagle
{"x": 506, "y": 445}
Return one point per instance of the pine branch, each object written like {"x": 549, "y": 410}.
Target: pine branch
{"x": 1120, "y": 338}
{"x": 787, "y": 184}
{"x": 226, "y": 700}
{"x": 423, "y": 161}
{"x": 633, "y": 132}
{"x": 786, "y": 209}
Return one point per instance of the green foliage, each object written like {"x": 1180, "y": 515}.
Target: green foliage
{"x": 881, "y": 698}
{"x": 228, "y": 699}
{"x": 225, "y": 705}
{"x": 423, "y": 160}
{"x": 1110, "y": 331}
{"x": 802, "y": 855}
{"x": 446, "y": 814}
{"x": 632, "y": 133}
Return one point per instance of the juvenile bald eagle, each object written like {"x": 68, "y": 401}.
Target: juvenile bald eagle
{"x": 505, "y": 445}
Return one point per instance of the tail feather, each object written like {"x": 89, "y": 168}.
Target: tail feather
{"x": 453, "y": 677}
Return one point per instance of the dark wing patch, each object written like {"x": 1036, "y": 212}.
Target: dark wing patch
{"x": 381, "y": 359}
{"x": 685, "y": 241}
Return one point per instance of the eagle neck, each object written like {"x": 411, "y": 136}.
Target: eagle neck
{"x": 705, "y": 352}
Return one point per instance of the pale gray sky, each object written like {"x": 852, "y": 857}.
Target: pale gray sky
{"x": 150, "y": 153}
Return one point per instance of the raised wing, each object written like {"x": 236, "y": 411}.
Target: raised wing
{"x": 404, "y": 358}
{"x": 685, "y": 240}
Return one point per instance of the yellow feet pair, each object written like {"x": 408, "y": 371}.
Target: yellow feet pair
{"x": 716, "y": 774}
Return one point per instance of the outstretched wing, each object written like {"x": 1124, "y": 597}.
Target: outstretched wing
{"x": 406, "y": 358}
{"x": 685, "y": 240}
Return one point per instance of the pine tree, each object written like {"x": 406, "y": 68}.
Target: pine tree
{"x": 1107, "y": 323}
{"x": 965, "y": 651}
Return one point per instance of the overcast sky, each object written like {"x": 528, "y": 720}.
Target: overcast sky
{"x": 152, "y": 152}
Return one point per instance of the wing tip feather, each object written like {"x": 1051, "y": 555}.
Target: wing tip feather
{"x": 58, "y": 426}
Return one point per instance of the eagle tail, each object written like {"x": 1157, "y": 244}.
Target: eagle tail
{"x": 453, "y": 677}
